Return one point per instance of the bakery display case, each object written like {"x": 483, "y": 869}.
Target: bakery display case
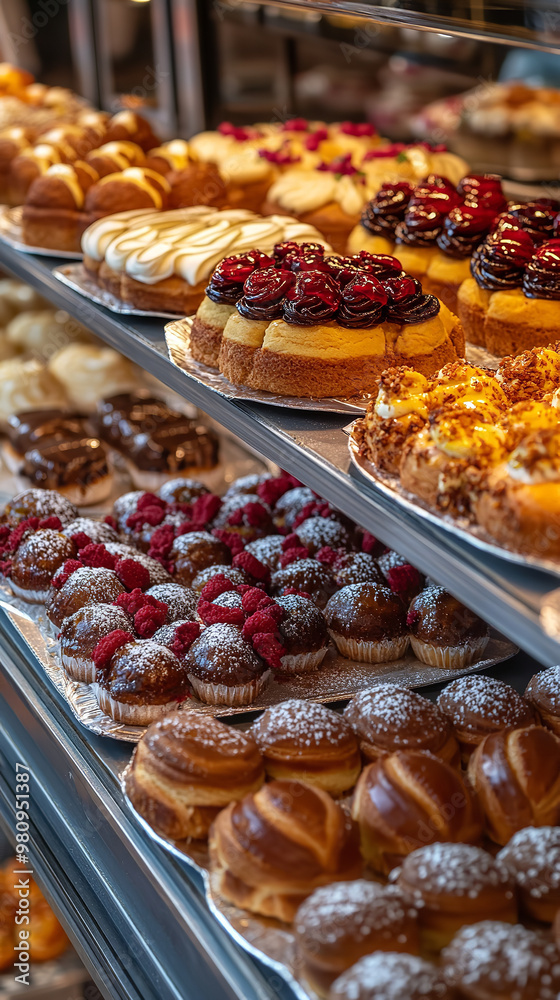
{"x": 149, "y": 912}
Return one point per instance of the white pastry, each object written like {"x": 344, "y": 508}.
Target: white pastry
{"x": 89, "y": 373}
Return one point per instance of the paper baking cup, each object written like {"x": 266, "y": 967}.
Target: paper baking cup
{"x": 371, "y": 652}
{"x": 449, "y": 657}
{"x": 133, "y": 715}
{"x": 30, "y": 596}
{"x": 222, "y": 694}
{"x": 78, "y": 670}
{"x": 303, "y": 663}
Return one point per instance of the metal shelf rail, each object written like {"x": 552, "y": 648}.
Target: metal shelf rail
{"x": 314, "y": 448}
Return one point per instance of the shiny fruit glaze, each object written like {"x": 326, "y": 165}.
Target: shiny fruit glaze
{"x": 264, "y": 293}
{"x": 226, "y": 283}
{"x": 542, "y": 274}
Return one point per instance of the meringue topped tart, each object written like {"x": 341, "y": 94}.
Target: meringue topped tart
{"x": 303, "y": 323}
{"x": 162, "y": 260}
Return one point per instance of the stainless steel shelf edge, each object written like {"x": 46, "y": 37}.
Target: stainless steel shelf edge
{"x": 137, "y": 916}
{"x": 313, "y": 448}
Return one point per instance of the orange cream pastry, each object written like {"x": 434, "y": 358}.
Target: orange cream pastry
{"x": 520, "y": 503}
{"x": 115, "y": 156}
{"x": 330, "y": 199}
{"x": 132, "y": 188}
{"x": 27, "y": 166}
{"x": 327, "y": 326}
{"x": 53, "y": 215}
{"x": 411, "y": 162}
{"x": 170, "y": 156}
{"x": 129, "y": 125}
{"x": 162, "y": 260}
{"x": 511, "y": 303}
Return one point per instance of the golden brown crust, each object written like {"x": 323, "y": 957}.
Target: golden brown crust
{"x": 197, "y": 184}
{"x": 543, "y": 692}
{"x": 471, "y": 313}
{"x": 516, "y": 776}
{"x": 503, "y": 338}
{"x": 250, "y": 196}
{"x": 206, "y": 331}
{"x": 522, "y": 517}
{"x": 170, "y": 295}
{"x": 55, "y": 229}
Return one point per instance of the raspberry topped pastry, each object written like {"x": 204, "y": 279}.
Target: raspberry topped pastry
{"x": 307, "y": 324}
{"x": 36, "y": 561}
{"x": 137, "y": 682}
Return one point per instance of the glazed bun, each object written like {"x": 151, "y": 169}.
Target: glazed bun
{"x": 368, "y": 622}
{"x": 186, "y": 768}
{"x": 272, "y": 849}
{"x": 516, "y": 776}
{"x": 543, "y": 692}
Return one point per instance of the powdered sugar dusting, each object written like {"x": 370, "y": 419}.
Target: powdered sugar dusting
{"x": 98, "y": 531}
{"x": 391, "y": 976}
{"x": 393, "y": 710}
{"x": 457, "y": 869}
{"x": 305, "y": 724}
{"x": 181, "y": 601}
{"x": 45, "y": 503}
{"x": 316, "y": 532}
{"x": 171, "y": 737}
{"x": 351, "y": 909}
{"x": 483, "y": 697}
{"x": 533, "y": 857}
{"x": 267, "y": 550}
{"x": 504, "y": 960}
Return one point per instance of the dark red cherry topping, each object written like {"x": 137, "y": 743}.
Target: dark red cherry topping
{"x": 226, "y": 283}
{"x": 479, "y": 183}
{"x": 382, "y": 214}
{"x": 289, "y": 249}
{"x": 499, "y": 262}
{"x": 341, "y": 165}
{"x": 464, "y": 228}
{"x": 264, "y": 292}
{"x": 357, "y": 128}
{"x": 542, "y": 274}
{"x": 382, "y": 265}
{"x": 406, "y": 301}
{"x": 536, "y": 217}
{"x": 306, "y": 262}
{"x": 314, "y": 298}
{"x": 282, "y": 157}
{"x": 363, "y": 302}
{"x": 314, "y": 139}
{"x": 237, "y": 132}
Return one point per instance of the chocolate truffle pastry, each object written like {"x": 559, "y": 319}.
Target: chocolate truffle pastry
{"x": 308, "y": 577}
{"x": 410, "y": 799}
{"x": 543, "y": 692}
{"x": 29, "y": 428}
{"x": 272, "y": 849}
{"x": 533, "y": 859}
{"x": 179, "y": 445}
{"x": 120, "y": 418}
{"x": 186, "y": 768}
{"x": 182, "y": 490}
{"x": 454, "y": 885}
{"x": 288, "y": 506}
{"x": 339, "y": 924}
{"x": 39, "y": 503}
{"x": 193, "y": 552}
{"x": 391, "y": 976}
{"x": 36, "y": 560}
{"x": 308, "y": 742}
{"x": 368, "y": 623}
{"x": 232, "y": 573}
{"x": 443, "y": 632}
{"x": 77, "y": 467}
{"x": 388, "y": 718}
{"x": 142, "y": 682}
{"x": 223, "y": 668}
{"x": 477, "y": 705}
{"x": 85, "y": 586}
{"x": 316, "y": 532}
{"x": 196, "y": 184}
{"x": 516, "y": 777}
{"x": 303, "y": 634}
{"x": 97, "y": 531}
{"x": 55, "y": 213}
{"x": 356, "y": 567}
{"x": 267, "y": 550}
{"x": 80, "y": 633}
{"x": 497, "y": 961}
{"x": 181, "y": 601}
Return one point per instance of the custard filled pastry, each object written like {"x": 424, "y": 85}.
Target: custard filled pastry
{"x": 53, "y": 215}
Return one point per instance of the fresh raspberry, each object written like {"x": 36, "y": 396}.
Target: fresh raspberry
{"x": 185, "y": 635}
{"x": 256, "y": 514}
{"x": 216, "y": 585}
{"x": 293, "y": 555}
{"x": 187, "y": 527}
{"x": 132, "y": 574}
{"x": 51, "y": 522}
{"x": 70, "y": 566}
{"x": 161, "y": 542}
{"x": 412, "y": 617}
{"x": 233, "y": 541}
{"x": 206, "y": 507}
{"x": 298, "y": 593}
{"x": 403, "y": 579}
{"x": 253, "y": 566}
{"x": 236, "y": 518}
{"x": 181, "y": 508}
{"x": 4, "y": 533}
{"x": 149, "y": 500}
{"x": 6, "y": 567}
{"x": 111, "y": 521}
{"x": 315, "y": 508}
{"x": 269, "y": 649}
{"x": 253, "y": 600}
{"x": 149, "y": 515}
{"x": 133, "y": 601}
{"x": 327, "y": 555}
{"x": 148, "y": 619}
{"x": 212, "y": 614}
{"x": 261, "y": 621}
{"x": 80, "y": 539}
{"x": 369, "y": 543}
{"x": 97, "y": 557}
{"x": 291, "y": 541}
{"x": 16, "y": 536}
{"x": 272, "y": 489}
{"x": 107, "y": 647}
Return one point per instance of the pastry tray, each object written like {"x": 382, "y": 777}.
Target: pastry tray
{"x": 337, "y": 680}
{"x": 75, "y": 276}
{"x": 267, "y": 939}
{"x": 459, "y": 527}
{"x": 177, "y": 336}
{"x": 11, "y": 233}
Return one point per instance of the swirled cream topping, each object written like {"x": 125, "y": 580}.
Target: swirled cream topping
{"x": 301, "y": 191}
{"x": 409, "y": 396}
{"x": 189, "y": 242}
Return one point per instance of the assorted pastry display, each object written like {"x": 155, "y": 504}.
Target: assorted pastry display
{"x": 300, "y": 322}
{"x": 46, "y": 939}
{"x": 475, "y": 444}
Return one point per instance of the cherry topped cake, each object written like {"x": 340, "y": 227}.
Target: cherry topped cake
{"x": 304, "y": 323}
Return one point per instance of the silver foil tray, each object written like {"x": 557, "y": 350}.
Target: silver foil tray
{"x": 11, "y": 233}
{"x": 77, "y": 278}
